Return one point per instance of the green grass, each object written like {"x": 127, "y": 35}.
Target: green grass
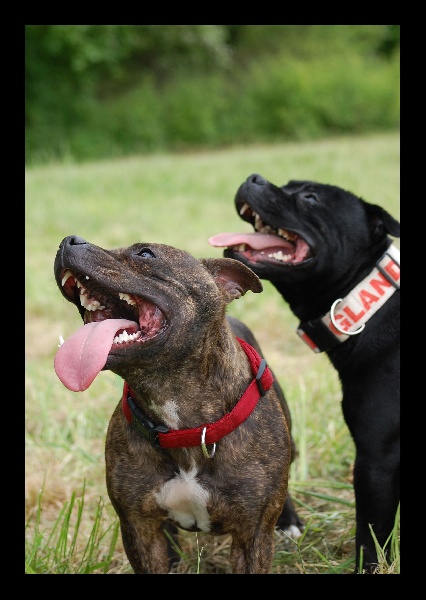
{"x": 181, "y": 200}
{"x": 56, "y": 550}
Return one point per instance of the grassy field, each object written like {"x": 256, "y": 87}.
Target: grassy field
{"x": 181, "y": 200}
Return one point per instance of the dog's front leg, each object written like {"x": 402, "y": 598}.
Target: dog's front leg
{"x": 146, "y": 546}
{"x": 252, "y": 555}
{"x": 377, "y": 496}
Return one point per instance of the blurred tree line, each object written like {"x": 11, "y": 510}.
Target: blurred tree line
{"x": 95, "y": 91}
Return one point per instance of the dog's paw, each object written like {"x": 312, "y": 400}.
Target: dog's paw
{"x": 293, "y": 531}
{"x": 290, "y": 533}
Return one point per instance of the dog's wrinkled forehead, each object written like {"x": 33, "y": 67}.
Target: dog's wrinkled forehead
{"x": 131, "y": 268}
{"x": 155, "y": 255}
{"x": 323, "y": 192}
{"x": 294, "y": 185}
{"x": 161, "y": 251}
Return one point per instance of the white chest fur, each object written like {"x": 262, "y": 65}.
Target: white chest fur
{"x": 185, "y": 500}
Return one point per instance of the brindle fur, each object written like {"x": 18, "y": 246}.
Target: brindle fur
{"x": 197, "y": 364}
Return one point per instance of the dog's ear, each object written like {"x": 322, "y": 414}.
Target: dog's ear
{"x": 232, "y": 277}
{"x": 381, "y": 222}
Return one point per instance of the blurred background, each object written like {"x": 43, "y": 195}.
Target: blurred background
{"x": 106, "y": 91}
{"x": 144, "y": 133}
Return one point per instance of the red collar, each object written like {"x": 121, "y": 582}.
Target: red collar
{"x": 162, "y": 437}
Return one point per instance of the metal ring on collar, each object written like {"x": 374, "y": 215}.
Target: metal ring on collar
{"x": 333, "y": 320}
{"x": 204, "y": 447}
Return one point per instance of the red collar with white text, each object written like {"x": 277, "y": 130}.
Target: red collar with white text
{"x": 208, "y": 433}
{"x": 348, "y": 316}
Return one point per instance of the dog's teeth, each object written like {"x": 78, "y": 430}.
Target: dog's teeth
{"x": 287, "y": 235}
{"x": 61, "y": 340}
{"x": 66, "y": 276}
{"x": 258, "y": 223}
{"x": 241, "y": 248}
{"x": 244, "y": 207}
{"x": 127, "y": 298}
{"x": 95, "y": 305}
{"x": 280, "y": 256}
{"x": 90, "y": 305}
{"x": 125, "y": 337}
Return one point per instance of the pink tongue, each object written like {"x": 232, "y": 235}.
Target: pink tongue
{"x": 257, "y": 241}
{"x": 84, "y": 354}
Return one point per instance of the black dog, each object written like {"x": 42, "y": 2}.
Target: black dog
{"x": 201, "y": 437}
{"x": 329, "y": 255}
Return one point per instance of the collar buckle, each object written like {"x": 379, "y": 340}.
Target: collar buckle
{"x": 162, "y": 437}
{"x": 259, "y": 374}
{"x": 143, "y": 425}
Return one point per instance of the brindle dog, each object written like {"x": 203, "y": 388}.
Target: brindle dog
{"x": 201, "y": 437}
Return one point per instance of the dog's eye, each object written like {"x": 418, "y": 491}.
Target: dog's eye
{"x": 146, "y": 253}
{"x": 309, "y": 197}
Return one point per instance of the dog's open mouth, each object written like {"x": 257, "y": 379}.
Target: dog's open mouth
{"x": 111, "y": 323}
{"x": 267, "y": 244}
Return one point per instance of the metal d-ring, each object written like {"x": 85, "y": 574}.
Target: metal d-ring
{"x": 333, "y": 320}
{"x": 204, "y": 447}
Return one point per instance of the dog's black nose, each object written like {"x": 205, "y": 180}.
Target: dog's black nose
{"x": 256, "y": 179}
{"x": 73, "y": 240}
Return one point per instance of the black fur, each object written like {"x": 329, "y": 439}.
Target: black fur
{"x": 345, "y": 236}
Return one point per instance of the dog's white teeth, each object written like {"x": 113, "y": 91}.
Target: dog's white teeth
{"x": 86, "y": 302}
{"x": 90, "y": 304}
{"x": 244, "y": 207}
{"x": 96, "y": 305}
{"x": 258, "y": 223}
{"x": 280, "y": 256}
{"x": 66, "y": 276}
{"x": 61, "y": 340}
{"x": 127, "y": 298}
{"x": 287, "y": 235}
{"x": 125, "y": 337}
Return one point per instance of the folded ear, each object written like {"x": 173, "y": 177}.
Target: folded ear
{"x": 381, "y": 222}
{"x": 232, "y": 277}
